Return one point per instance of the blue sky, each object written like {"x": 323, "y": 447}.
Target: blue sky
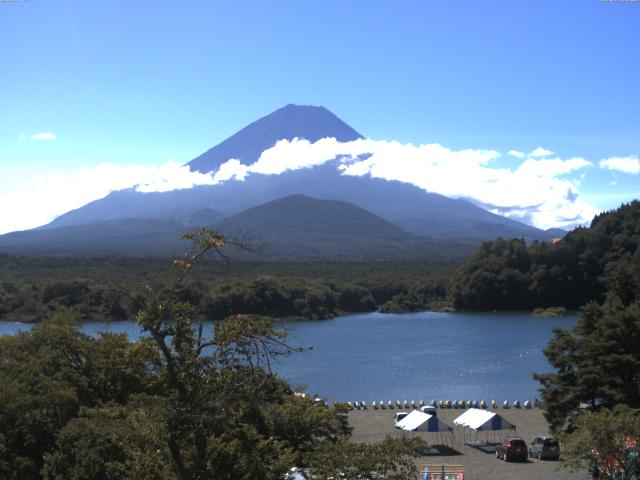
{"x": 144, "y": 82}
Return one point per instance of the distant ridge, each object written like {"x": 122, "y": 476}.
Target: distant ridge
{"x": 298, "y": 226}
{"x": 295, "y": 227}
{"x": 301, "y": 219}
{"x": 289, "y": 122}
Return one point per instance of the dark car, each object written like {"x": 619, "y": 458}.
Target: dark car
{"x": 545, "y": 447}
{"x": 512, "y": 448}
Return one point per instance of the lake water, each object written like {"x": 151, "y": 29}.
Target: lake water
{"x": 426, "y": 355}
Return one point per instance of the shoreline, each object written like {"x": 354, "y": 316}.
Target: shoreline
{"x": 293, "y": 319}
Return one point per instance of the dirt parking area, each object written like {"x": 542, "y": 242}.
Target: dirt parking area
{"x": 372, "y": 426}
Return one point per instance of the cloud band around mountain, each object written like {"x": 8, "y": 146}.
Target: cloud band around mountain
{"x": 539, "y": 191}
{"x": 53, "y": 194}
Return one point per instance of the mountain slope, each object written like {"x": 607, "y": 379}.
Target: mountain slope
{"x": 129, "y": 236}
{"x": 301, "y": 227}
{"x": 292, "y": 228}
{"x": 303, "y": 220}
{"x": 404, "y": 205}
{"x": 289, "y": 122}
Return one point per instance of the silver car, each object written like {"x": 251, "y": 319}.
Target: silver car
{"x": 545, "y": 447}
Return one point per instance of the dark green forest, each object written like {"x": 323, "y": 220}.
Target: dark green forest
{"x": 596, "y": 364}
{"x": 113, "y": 288}
{"x": 511, "y": 275}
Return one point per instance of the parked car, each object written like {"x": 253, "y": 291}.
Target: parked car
{"x": 545, "y": 447}
{"x": 512, "y": 448}
{"x": 399, "y": 416}
{"x": 430, "y": 410}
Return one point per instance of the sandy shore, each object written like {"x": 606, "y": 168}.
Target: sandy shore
{"x": 372, "y": 426}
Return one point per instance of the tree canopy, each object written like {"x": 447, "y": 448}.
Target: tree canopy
{"x": 597, "y": 363}
{"x": 577, "y": 269}
{"x": 606, "y": 443}
{"x": 178, "y": 404}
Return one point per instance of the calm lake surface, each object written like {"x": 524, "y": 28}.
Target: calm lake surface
{"x": 414, "y": 356}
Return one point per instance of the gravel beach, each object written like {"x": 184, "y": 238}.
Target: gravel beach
{"x": 372, "y": 426}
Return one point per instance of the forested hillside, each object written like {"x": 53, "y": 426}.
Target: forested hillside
{"x": 113, "y": 288}
{"x": 501, "y": 275}
{"x": 510, "y": 275}
{"x": 597, "y": 363}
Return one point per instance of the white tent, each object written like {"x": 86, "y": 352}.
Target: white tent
{"x": 477, "y": 420}
{"x": 423, "y": 423}
{"x": 417, "y": 421}
{"x": 483, "y": 420}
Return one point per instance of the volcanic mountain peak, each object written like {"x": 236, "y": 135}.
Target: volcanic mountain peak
{"x": 289, "y": 122}
{"x": 355, "y": 210}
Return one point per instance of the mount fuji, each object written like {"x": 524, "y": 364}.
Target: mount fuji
{"x": 386, "y": 214}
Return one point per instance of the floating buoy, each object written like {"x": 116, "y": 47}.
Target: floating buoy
{"x": 448, "y": 403}
{"x": 516, "y": 404}
{"x": 406, "y": 404}
{"x": 441, "y": 404}
{"x": 350, "y": 405}
{"x": 494, "y": 404}
{"x": 462, "y": 404}
{"x": 363, "y": 405}
{"x": 421, "y": 403}
{"x": 527, "y": 404}
{"x": 390, "y": 405}
{"x": 433, "y": 403}
{"x": 374, "y": 405}
{"x": 483, "y": 404}
{"x": 398, "y": 404}
{"x": 413, "y": 404}
{"x": 505, "y": 404}
{"x": 474, "y": 404}
{"x": 469, "y": 403}
{"x": 356, "y": 405}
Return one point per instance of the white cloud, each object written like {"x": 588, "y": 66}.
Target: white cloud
{"x": 540, "y": 152}
{"x": 537, "y": 191}
{"x": 630, "y": 164}
{"x": 231, "y": 169}
{"x": 44, "y": 136}
{"x": 516, "y": 153}
{"x": 548, "y": 168}
{"x": 39, "y": 200}
{"x": 534, "y": 192}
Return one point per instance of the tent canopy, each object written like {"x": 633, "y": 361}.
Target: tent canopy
{"x": 483, "y": 420}
{"x": 417, "y": 421}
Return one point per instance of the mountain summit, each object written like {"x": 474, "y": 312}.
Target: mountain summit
{"x": 289, "y": 122}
